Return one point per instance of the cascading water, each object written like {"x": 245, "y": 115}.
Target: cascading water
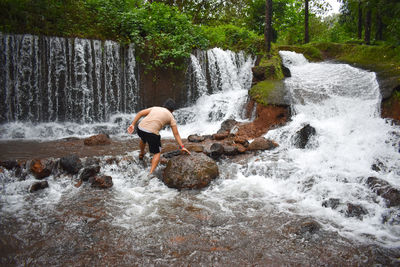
{"x": 50, "y": 79}
{"x": 57, "y": 87}
{"x": 342, "y": 103}
{"x": 222, "y": 79}
{"x": 251, "y": 214}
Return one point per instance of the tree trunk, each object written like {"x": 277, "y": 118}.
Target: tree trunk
{"x": 379, "y": 28}
{"x": 268, "y": 25}
{"x": 359, "y": 20}
{"x": 306, "y": 32}
{"x": 367, "y": 36}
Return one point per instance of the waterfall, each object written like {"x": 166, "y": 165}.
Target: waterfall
{"x": 342, "y": 103}
{"x": 51, "y": 79}
{"x": 218, "y": 90}
{"x": 56, "y": 87}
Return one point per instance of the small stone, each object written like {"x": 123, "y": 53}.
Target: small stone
{"x": 194, "y": 138}
{"x": 41, "y": 169}
{"x": 71, "y": 164}
{"x": 216, "y": 150}
{"x": 220, "y": 136}
{"x": 38, "y": 186}
{"x": 95, "y": 140}
{"x": 262, "y": 143}
{"x": 9, "y": 164}
{"x": 103, "y": 182}
{"x": 89, "y": 172}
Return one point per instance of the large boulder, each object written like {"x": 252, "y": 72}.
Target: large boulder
{"x": 193, "y": 171}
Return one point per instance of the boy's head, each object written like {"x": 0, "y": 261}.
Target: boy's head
{"x": 170, "y": 105}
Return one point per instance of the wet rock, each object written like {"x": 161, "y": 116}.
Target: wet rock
{"x": 391, "y": 217}
{"x": 309, "y": 227}
{"x": 230, "y": 150}
{"x": 261, "y": 143}
{"x": 21, "y": 173}
{"x": 303, "y": 136}
{"x": 41, "y": 168}
{"x": 221, "y": 136}
{"x": 88, "y": 172}
{"x": 195, "y": 148}
{"x": 355, "y": 211}
{"x": 193, "y": 171}
{"x": 9, "y": 164}
{"x": 216, "y": 151}
{"x": 92, "y": 162}
{"x": 96, "y": 140}
{"x": 382, "y": 188}
{"x": 241, "y": 149}
{"x": 227, "y": 125}
{"x": 102, "y": 182}
{"x": 241, "y": 140}
{"x": 196, "y": 138}
{"x": 378, "y": 166}
{"x": 71, "y": 164}
{"x": 112, "y": 160}
{"x": 286, "y": 71}
{"x": 258, "y": 73}
{"x": 171, "y": 154}
{"x": 38, "y": 186}
{"x": 332, "y": 203}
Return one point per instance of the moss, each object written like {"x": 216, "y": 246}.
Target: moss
{"x": 371, "y": 57}
{"x": 272, "y": 67}
{"x": 261, "y": 91}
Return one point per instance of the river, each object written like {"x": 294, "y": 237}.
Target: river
{"x": 268, "y": 210}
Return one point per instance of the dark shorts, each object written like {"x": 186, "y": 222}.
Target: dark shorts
{"x": 153, "y": 140}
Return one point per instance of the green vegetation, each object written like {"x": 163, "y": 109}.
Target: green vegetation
{"x": 262, "y": 90}
{"x": 234, "y": 38}
{"x": 166, "y": 31}
{"x": 384, "y": 58}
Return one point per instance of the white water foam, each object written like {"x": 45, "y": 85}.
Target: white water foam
{"x": 230, "y": 78}
{"x": 342, "y": 104}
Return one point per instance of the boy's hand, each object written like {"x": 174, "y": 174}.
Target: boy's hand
{"x": 130, "y": 129}
{"x": 184, "y": 149}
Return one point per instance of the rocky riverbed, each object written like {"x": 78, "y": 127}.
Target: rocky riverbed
{"x": 89, "y": 224}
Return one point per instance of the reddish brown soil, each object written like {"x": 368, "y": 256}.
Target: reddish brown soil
{"x": 267, "y": 118}
{"x": 391, "y": 109}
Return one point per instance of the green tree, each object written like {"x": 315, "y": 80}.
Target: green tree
{"x": 268, "y": 25}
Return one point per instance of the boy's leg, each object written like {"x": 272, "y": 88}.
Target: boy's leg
{"x": 142, "y": 146}
{"x": 155, "y": 161}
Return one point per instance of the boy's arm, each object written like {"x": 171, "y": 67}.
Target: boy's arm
{"x": 178, "y": 139}
{"x": 140, "y": 114}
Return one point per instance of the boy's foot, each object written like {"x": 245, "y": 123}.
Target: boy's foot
{"x": 141, "y": 156}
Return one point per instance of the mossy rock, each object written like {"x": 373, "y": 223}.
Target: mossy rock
{"x": 269, "y": 69}
{"x": 269, "y": 92}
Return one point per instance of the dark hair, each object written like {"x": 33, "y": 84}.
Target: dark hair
{"x": 170, "y": 104}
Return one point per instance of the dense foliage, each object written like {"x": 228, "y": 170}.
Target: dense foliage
{"x": 166, "y": 31}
